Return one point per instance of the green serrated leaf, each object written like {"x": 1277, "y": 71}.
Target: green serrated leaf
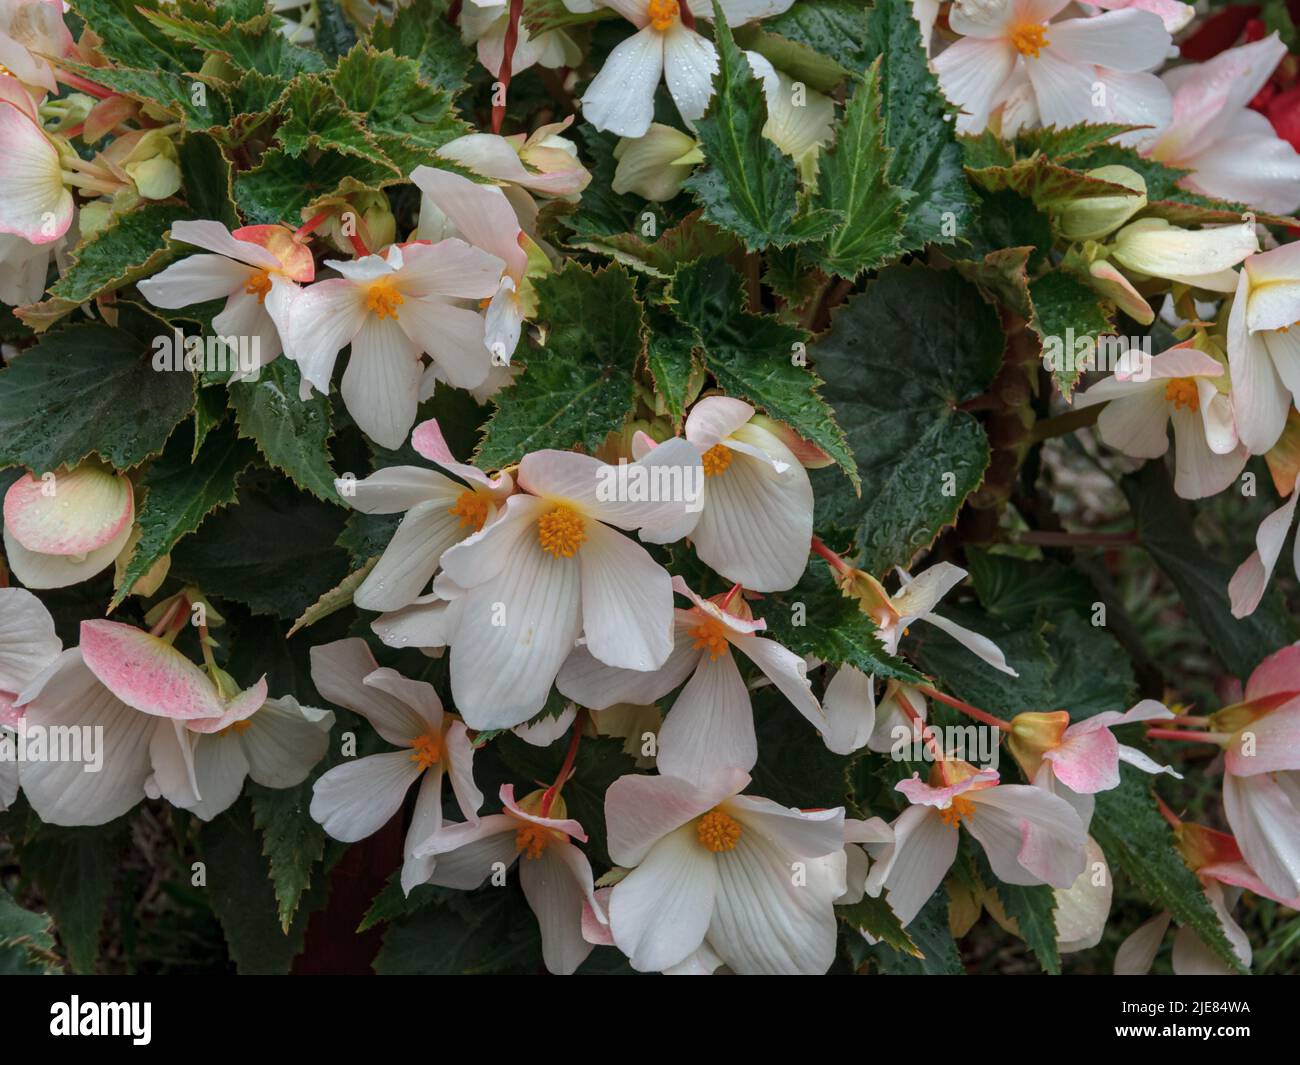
{"x": 835, "y": 28}
{"x": 928, "y": 930}
{"x": 756, "y": 358}
{"x": 580, "y": 388}
{"x": 91, "y": 389}
{"x": 336, "y": 599}
{"x": 1032, "y": 908}
{"x": 747, "y": 185}
{"x": 424, "y": 33}
{"x": 291, "y": 841}
{"x": 898, "y": 360}
{"x": 1065, "y": 307}
{"x": 925, "y": 157}
{"x": 878, "y": 920}
{"x": 293, "y": 434}
{"x": 671, "y": 360}
{"x": 852, "y": 182}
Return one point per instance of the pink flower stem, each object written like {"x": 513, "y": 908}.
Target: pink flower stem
{"x": 926, "y": 734}
{"x": 1167, "y": 813}
{"x": 830, "y": 556}
{"x": 1186, "y": 720}
{"x": 76, "y": 81}
{"x": 982, "y": 716}
{"x": 507, "y": 62}
{"x": 553, "y": 792}
{"x": 304, "y": 231}
{"x": 1217, "y": 738}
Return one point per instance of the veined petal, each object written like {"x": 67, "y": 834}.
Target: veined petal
{"x": 339, "y": 670}
{"x": 640, "y": 810}
{"x": 1030, "y": 837}
{"x": 627, "y": 601}
{"x": 620, "y": 98}
{"x": 77, "y": 512}
{"x": 381, "y": 384}
{"x": 711, "y": 724}
{"x": 356, "y": 799}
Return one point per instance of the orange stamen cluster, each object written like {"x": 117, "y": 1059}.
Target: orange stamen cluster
{"x": 953, "y": 814}
{"x": 237, "y": 727}
{"x": 531, "y": 840}
{"x": 426, "y": 750}
{"x": 471, "y": 508}
{"x": 383, "y": 299}
{"x": 710, "y": 635}
{"x": 716, "y": 460}
{"x": 717, "y": 831}
{"x": 561, "y": 531}
{"x": 1181, "y": 392}
{"x": 663, "y": 13}
{"x": 1030, "y": 38}
{"x": 259, "y": 284}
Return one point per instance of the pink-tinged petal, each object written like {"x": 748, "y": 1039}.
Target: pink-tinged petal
{"x": 972, "y": 74}
{"x": 565, "y": 825}
{"x": 1239, "y": 874}
{"x": 1138, "y": 952}
{"x": 339, "y": 670}
{"x": 295, "y": 258}
{"x": 850, "y": 706}
{"x": 1279, "y": 672}
{"x": 1114, "y": 285}
{"x": 67, "y": 695}
{"x": 787, "y": 671}
{"x": 515, "y": 632}
{"x": 481, "y": 214}
{"x": 72, "y": 514}
{"x": 1274, "y": 744}
{"x": 380, "y": 387}
{"x": 589, "y": 682}
{"x": 148, "y": 673}
{"x": 195, "y": 279}
{"x": 242, "y": 706}
{"x": 1030, "y": 837}
{"x": 1087, "y": 762}
{"x": 1258, "y": 168}
{"x": 640, "y": 810}
{"x": 427, "y": 439}
{"x": 469, "y": 853}
{"x": 1146, "y": 710}
{"x": 1127, "y": 40}
{"x": 215, "y": 237}
{"x": 356, "y": 799}
{"x": 595, "y": 925}
{"x": 733, "y": 623}
{"x": 1172, "y": 13}
{"x": 1246, "y": 588}
{"x": 35, "y": 206}
{"x": 766, "y": 919}
{"x": 37, "y": 570}
{"x": 557, "y": 885}
{"x": 711, "y": 724}
{"x": 920, "y": 793}
{"x": 715, "y": 418}
{"x": 620, "y": 99}
{"x": 450, "y": 269}
{"x": 910, "y": 868}
{"x": 1260, "y": 403}
{"x": 1265, "y": 818}
{"x": 660, "y": 912}
{"x": 28, "y": 642}
{"x": 627, "y": 601}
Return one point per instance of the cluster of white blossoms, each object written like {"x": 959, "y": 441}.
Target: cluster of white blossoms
{"x": 549, "y": 576}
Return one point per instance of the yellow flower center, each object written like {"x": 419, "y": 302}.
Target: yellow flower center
{"x": 259, "y": 284}
{"x": 663, "y": 13}
{"x": 471, "y": 508}
{"x": 426, "y": 750}
{"x": 717, "y": 831}
{"x": 383, "y": 299}
{"x": 531, "y": 840}
{"x": 561, "y": 531}
{"x": 716, "y": 459}
{"x": 1030, "y": 38}
{"x": 961, "y": 807}
{"x": 711, "y": 635}
{"x": 1181, "y": 392}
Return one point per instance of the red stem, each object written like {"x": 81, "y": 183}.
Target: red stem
{"x": 1167, "y": 813}
{"x": 688, "y": 16}
{"x": 982, "y": 716}
{"x": 308, "y": 227}
{"x": 358, "y": 245}
{"x": 507, "y": 60}
{"x": 927, "y": 735}
{"x": 553, "y": 792}
{"x": 830, "y": 556}
{"x": 1215, "y": 738}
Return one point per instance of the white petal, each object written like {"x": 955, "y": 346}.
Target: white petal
{"x": 627, "y": 601}
{"x": 711, "y": 724}
{"x": 356, "y": 799}
{"x": 620, "y": 98}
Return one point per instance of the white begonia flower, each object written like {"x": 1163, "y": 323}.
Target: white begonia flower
{"x": 393, "y": 309}
{"x": 620, "y": 98}
{"x": 553, "y": 567}
{"x": 656, "y": 165}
